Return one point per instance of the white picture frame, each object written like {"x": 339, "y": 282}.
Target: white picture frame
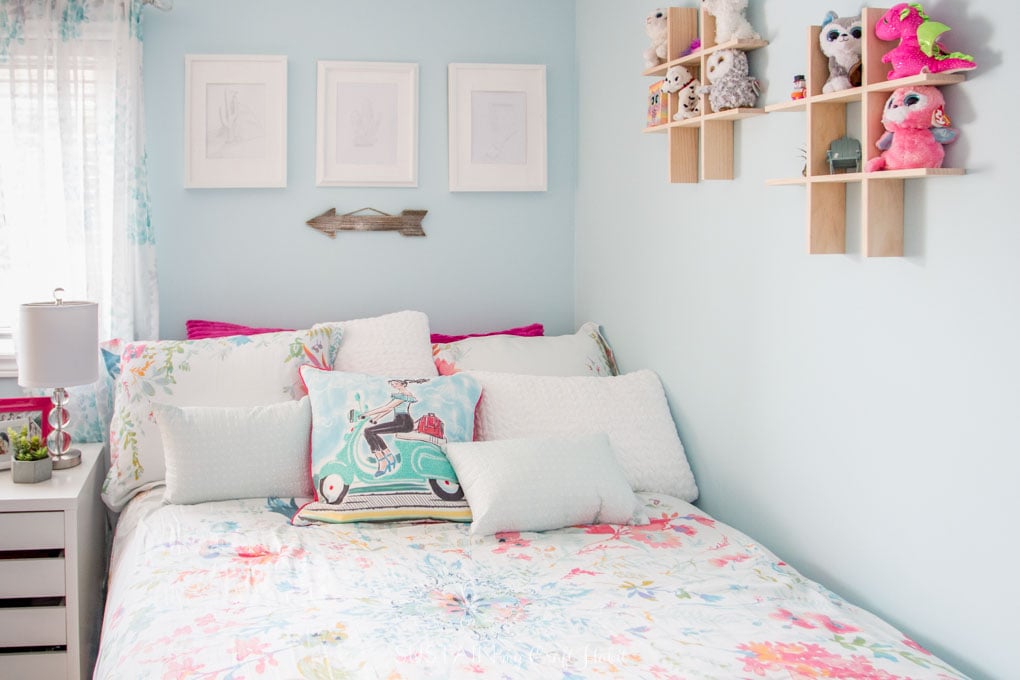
{"x": 497, "y": 136}
{"x": 366, "y": 124}
{"x": 235, "y": 121}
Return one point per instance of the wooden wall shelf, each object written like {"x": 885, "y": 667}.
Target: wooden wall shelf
{"x": 702, "y": 145}
{"x": 882, "y": 192}
{"x": 851, "y": 177}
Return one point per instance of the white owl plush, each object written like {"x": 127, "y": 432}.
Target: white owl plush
{"x": 680, "y": 81}
{"x": 656, "y": 28}
{"x": 840, "y": 41}
{"x": 730, "y": 87}
{"x": 730, "y": 22}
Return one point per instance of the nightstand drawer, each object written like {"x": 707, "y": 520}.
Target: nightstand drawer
{"x": 41, "y": 665}
{"x": 31, "y": 530}
{"x": 42, "y": 577}
{"x": 32, "y": 626}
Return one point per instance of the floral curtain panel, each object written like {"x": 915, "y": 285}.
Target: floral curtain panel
{"x": 74, "y": 206}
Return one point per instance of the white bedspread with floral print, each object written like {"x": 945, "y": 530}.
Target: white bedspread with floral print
{"x": 232, "y": 591}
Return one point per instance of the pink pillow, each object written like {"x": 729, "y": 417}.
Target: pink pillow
{"x": 199, "y": 329}
{"x": 530, "y": 331}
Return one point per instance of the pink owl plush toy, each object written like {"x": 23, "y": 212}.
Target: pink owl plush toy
{"x": 916, "y": 127}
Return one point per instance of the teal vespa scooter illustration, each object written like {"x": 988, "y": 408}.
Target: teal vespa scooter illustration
{"x": 416, "y": 456}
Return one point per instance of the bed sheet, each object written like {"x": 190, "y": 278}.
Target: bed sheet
{"x": 231, "y": 590}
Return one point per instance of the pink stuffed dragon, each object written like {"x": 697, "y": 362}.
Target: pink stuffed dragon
{"x": 916, "y": 128}
{"x": 919, "y": 50}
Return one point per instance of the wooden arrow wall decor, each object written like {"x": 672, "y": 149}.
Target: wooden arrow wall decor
{"x": 408, "y": 222}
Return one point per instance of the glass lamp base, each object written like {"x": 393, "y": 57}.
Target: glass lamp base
{"x": 67, "y": 459}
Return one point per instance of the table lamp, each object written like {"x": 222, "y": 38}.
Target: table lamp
{"x": 58, "y": 344}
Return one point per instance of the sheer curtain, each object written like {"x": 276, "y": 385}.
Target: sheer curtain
{"x": 74, "y": 207}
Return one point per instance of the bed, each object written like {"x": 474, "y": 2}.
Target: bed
{"x": 231, "y": 589}
{"x": 577, "y": 553}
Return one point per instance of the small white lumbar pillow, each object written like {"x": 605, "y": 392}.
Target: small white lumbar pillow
{"x": 543, "y": 483}
{"x": 630, "y": 408}
{"x": 218, "y": 453}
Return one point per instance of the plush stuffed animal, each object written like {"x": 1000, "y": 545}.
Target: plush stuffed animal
{"x": 916, "y": 128}
{"x": 918, "y": 51}
{"x": 840, "y": 41}
{"x": 680, "y": 81}
{"x": 656, "y": 25}
{"x": 730, "y": 87}
{"x": 730, "y": 22}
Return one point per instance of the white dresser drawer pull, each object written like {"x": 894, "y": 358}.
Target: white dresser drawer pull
{"x": 36, "y": 665}
{"x": 31, "y": 530}
{"x": 31, "y": 577}
{"x": 32, "y": 626}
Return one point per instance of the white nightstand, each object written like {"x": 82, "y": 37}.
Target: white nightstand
{"x": 52, "y": 567}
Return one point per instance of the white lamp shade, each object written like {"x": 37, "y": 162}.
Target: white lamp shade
{"x": 58, "y": 344}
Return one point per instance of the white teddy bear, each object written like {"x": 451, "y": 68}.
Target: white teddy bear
{"x": 655, "y": 27}
{"x": 730, "y": 23}
{"x": 680, "y": 81}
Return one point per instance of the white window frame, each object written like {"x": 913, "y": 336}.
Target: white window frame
{"x": 8, "y": 367}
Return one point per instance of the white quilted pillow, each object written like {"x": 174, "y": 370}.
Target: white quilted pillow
{"x": 585, "y": 352}
{"x": 630, "y": 408}
{"x": 544, "y": 483}
{"x": 215, "y": 453}
{"x": 396, "y": 344}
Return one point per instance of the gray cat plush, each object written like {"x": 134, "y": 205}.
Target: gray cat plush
{"x": 840, "y": 41}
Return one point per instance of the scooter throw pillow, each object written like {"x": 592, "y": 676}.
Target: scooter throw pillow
{"x": 378, "y": 446}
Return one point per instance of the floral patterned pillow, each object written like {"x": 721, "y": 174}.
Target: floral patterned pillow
{"x": 378, "y": 446}
{"x": 235, "y": 371}
{"x": 583, "y": 353}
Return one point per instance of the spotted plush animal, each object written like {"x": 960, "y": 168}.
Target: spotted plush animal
{"x": 730, "y": 87}
{"x": 679, "y": 81}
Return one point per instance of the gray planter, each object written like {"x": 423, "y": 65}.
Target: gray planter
{"x": 31, "y": 471}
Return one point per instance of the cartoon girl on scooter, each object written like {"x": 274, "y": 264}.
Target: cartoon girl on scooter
{"x": 400, "y": 406}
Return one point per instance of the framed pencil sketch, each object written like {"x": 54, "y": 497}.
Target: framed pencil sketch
{"x": 235, "y": 121}
{"x": 366, "y": 124}
{"x": 497, "y": 127}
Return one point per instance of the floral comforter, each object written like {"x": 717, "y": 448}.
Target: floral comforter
{"x": 231, "y": 590}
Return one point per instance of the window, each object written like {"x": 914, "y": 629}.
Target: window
{"x": 56, "y": 180}
{"x": 74, "y": 210}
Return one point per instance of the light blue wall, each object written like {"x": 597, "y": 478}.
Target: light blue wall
{"x": 857, "y": 416}
{"x": 490, "y": 259}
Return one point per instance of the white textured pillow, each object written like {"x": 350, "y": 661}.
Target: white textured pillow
{"x": 216, "y": 453}
{"x": 585, "y": 352}
{"x": 630, "y": 408}
{"x": 396, "y": 344}
{"x": 540, "y": 484}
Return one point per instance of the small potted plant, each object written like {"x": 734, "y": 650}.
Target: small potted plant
{"x": 32, "y": 462}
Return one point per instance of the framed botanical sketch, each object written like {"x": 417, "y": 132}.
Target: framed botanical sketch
{"x": 24, "y": 412}
{"x": 366, "y": 124}
{"x": 497, "y": 127}
{"x": 235, "y": 121}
